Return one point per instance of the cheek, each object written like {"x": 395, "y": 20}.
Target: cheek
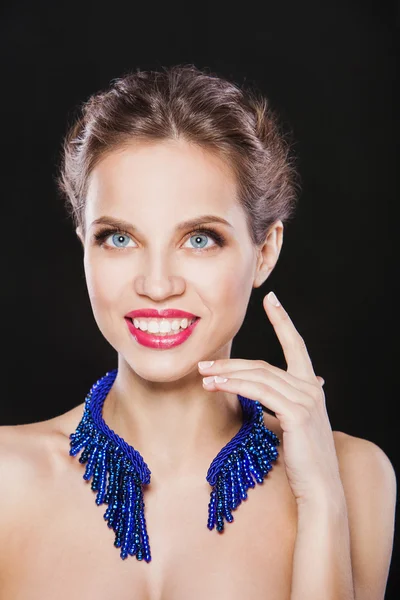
{"x": 104, "y": 283}
{"x": 229, "y": 280}
{"x": 226, "y": 291}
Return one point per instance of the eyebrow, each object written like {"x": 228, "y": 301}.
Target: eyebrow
{"x": 190, "y": 223}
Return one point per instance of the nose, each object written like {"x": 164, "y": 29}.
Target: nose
{"x": 159, "y": 279}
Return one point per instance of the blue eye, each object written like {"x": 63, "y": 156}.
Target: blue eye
{"x": 120, "y": 240}
{"x": 196, "y": 237}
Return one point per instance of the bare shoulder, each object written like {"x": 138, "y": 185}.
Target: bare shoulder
{"x": 357, "y": 455}
{"x": 367, "y": 474}
{"x": 30, "y": 457}
{"x": 20, "y": 454}
{"x": 366, "y": 471}
{"x": 24, "y": 457}
{"x": 370, "y": 487}
{"x": 22, "y": 465}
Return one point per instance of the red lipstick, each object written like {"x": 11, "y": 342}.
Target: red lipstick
{"x": 167, "y": 313}
{"x": 160, "y": 342}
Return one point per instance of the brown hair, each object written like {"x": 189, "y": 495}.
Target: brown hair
{"x": 185, "y": 102}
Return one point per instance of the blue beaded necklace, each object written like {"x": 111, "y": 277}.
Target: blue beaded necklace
{"x": 250, "y": 452}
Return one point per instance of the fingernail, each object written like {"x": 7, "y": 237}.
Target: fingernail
{"x": 205, "y": 364}
{"x": 273, "y": 299}
{"x": 207, "y": 380}
{"x": 219, "y": 379}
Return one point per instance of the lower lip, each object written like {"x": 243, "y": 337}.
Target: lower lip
{"x": 161, "y": 342}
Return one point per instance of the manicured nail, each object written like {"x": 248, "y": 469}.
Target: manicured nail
{"x": 205, "y": 364}
{"x": 207, "y": 380}
{"x": 273, "y": 299}
{"x": 219, "y": 379}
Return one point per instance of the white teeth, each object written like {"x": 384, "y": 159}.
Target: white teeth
{"x": 162, "y": 326}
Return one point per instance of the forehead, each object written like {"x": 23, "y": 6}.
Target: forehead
{"x": 169, "y": 176}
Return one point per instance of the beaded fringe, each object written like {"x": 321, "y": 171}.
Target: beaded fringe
{"x": 119, "y": 472}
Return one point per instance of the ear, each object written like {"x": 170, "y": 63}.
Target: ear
{"x": 80, "y": 235}
{"x": 268, "y": 253}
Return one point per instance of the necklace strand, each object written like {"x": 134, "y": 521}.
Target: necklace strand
{"x": 248, "y": 454}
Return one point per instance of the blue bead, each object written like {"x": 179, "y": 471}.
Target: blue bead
{"x": 118, "y": 471}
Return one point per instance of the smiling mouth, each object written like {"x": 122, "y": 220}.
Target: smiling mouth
{"x": 162, "y": 333}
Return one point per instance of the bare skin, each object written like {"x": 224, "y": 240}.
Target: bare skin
{"x": 159, "y": 270}
{"x": 55, "y": 543}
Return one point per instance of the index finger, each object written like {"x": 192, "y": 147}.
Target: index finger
{"x": 294, "y": 348}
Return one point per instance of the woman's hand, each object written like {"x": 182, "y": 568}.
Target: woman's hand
{"x": 297, "y": 399}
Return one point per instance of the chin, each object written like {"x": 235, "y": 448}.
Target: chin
{"x": 164, "y": 372}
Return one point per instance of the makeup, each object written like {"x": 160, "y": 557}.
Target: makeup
{"x": 160, "y": 342}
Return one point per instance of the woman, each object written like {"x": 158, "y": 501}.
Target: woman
{"x": 179, "y": 184}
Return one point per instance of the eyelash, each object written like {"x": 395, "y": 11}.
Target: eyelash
{"x": 102, "y": 235}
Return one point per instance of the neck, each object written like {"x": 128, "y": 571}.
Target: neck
{"x": 178, "y": 427}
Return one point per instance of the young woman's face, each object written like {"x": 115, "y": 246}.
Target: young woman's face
{"x": 153, "y": 262}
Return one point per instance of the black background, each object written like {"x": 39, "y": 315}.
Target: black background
{"x": 329, "y": 69}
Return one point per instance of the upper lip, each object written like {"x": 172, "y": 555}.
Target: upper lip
{"x": 167, "y": 313}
